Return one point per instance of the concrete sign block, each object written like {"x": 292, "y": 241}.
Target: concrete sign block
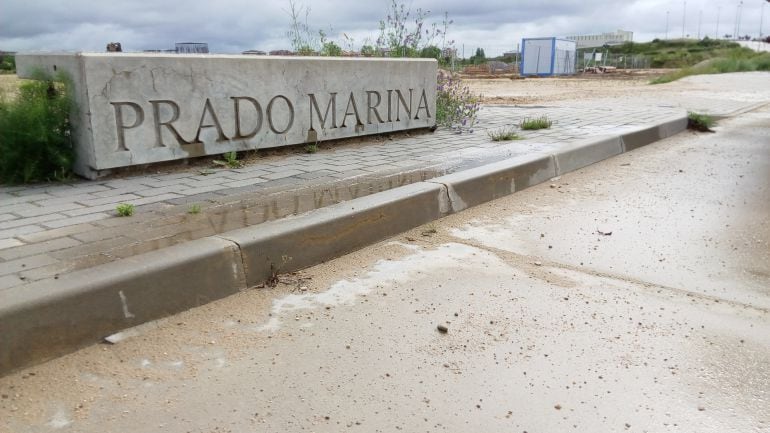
{"x": 144, "y": 108}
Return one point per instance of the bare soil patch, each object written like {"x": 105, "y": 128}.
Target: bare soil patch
{"x": 515, "y": 90}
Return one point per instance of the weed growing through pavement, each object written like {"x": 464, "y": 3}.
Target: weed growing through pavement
{"x": 506, "y": 133}
{"x": 429, "y": 231}
{"x": 456, "y": 107}
{"x": 125, "y": 209}
{"x": 532, "y": 124}
{"x": 230, "y": 160}
{"x": 272, "y": 281}
{"x": 311, "y": 148}
{"x": 700, "y": 122}
{"x": 194, "y": 209}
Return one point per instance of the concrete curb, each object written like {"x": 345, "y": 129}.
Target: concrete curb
{"x": 53, "y": 317}
{"x": 479, "y": 185}
{"x": 298, "y": 242}
{"x": 642, "y": 137}
{"x": 50, "y": 318}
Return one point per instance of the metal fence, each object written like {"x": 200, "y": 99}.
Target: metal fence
{"x": 619, "y": 61}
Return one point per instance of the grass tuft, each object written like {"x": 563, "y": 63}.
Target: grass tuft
{"x": 700, "y": 122}
{"x": 506, "y": 133}
{"x": 230, "y": 160}
{"x": 125, "y": 209}
{"x": 542, "y": 122}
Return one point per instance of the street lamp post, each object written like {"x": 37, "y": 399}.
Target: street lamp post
{"x": 719, "y": 14}
{"x": 700, "y": 20}
{"x": 684, "y": 15}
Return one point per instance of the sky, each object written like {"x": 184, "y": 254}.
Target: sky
{"x": 232, "y": 26}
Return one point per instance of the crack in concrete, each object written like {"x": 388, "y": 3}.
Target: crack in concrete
{"x": 520, "y": 261}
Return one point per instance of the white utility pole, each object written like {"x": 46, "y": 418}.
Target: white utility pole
{"x": 667, "y": 12}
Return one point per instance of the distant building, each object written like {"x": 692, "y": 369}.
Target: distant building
{"x": 599, "y": 40}
{"x": 192, "y": 47}
{"x": 281, "y": 53}
{"x": 254, "y": 53}
{"x": 449, "y": 53}
{"x": 184, "y": 48}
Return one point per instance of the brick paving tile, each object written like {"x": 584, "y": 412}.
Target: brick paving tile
{"x": 76, "y": 220}
{"x": 38, "y": 248}
{"x": 18, "y": 265}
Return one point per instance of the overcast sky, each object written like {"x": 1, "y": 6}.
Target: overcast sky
{"x": 231, "y": 26}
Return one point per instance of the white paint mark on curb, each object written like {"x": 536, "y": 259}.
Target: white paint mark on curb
{"x": 126, "y": 313}
{"x": 236, "y": 274}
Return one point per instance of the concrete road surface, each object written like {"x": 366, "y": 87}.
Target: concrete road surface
{"x": 633, "y": 295}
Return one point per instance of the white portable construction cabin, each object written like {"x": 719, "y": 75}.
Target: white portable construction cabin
{"x": 547, "y": 56}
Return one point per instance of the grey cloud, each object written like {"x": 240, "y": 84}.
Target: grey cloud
{"x": 236, "y": 25}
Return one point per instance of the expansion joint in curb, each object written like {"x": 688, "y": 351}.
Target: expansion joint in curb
{"x": 556, "y": 165}
{"x": 239, "y": 251}
{"x": 445, "y": 204}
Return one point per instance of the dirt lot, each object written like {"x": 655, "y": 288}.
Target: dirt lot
{"x": 540, "y": 90}
{"x": 8, "y": 85}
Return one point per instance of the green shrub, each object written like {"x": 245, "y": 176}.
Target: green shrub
{"x": 35, "y": 132}
{"x": 506, "y": 133}
{"x": 8, "y": 63}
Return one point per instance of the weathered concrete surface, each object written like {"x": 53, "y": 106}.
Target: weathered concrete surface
{"x": 537, "y": 341}
{"x": 143, "y": 108}
{"x": 55, "y": 317}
